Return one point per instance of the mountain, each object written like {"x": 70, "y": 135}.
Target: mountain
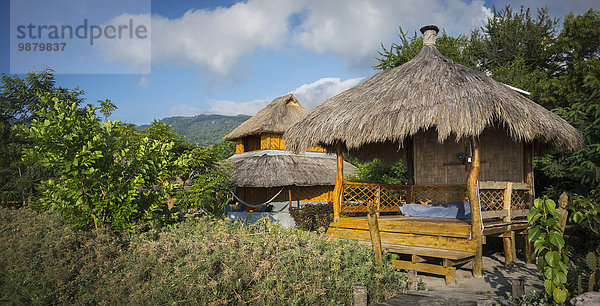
{"x": 203, "y": 129}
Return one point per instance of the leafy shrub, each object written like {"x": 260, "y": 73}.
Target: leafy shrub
{"x": 199, "y": 261}
{"x": 106, "y": 172}
{"x": 312, "y": 217}
{"x": 548, "y": 246}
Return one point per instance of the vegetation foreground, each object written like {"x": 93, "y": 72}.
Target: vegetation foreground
{"x": 198, "y": 261}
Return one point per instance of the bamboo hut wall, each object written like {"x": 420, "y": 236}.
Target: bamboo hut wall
{"x": 435, "y": 163}
{"x": 239, "y": 146}
{"x": 501, "y": 157}
{"x": 251, "y": 143}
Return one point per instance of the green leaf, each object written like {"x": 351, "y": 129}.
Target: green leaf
{"x": 560, "y": 295}
{"x": 534, "y": 233}
{"x": 537, "y": 203}
{"x": 591, "y": 261}
{"x": 552, "y": 258}
{"x": 556, "y": 239}
{"x": 550, "y": 204}
{"x": 548, "y": 286}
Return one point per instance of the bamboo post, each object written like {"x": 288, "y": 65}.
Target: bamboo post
{"x": 290, "y": 197}
{"x": 476, "y": 228}
{"x": 374, "y": 231}
{"x": 508, "y": 237}
{"x": 339, "y": 180}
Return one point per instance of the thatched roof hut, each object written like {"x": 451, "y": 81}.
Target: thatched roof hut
{"x": 261, "y": 161}
{"x": 449, "y": 124}
{"x": 275, "y": 118}
{"x": 428, "y": 92}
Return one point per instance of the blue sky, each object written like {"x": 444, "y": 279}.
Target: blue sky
{"x": 232, "y": 58}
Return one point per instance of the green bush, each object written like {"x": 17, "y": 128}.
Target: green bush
{"x": 198, "y": 261}
{"x": 312, "y": 217}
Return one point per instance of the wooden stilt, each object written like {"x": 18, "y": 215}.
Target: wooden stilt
{"x": 508, "y": 237}
{"x": 374, "y": 232}
{"x": 339, "y": 179}
{"x": 476, "y": 228}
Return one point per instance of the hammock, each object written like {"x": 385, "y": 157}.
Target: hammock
{"x": 256, "y": 205}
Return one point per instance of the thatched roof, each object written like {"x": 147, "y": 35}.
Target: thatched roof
{"x": 284, "y": 169}
{"x": 276, "y": 117}
{"x": 429, "y": 91}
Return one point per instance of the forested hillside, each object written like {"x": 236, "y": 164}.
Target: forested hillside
{"x": 203, "y": 129}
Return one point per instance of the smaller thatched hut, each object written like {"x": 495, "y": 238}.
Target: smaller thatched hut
{"x": 263, "y": 170}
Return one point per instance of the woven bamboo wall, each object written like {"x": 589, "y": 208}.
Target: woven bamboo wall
{"x": 501, "y": 157}
{"x": 435, "y": 163}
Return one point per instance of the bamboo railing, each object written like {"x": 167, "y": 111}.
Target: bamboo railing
{"x": 497, "y": 199}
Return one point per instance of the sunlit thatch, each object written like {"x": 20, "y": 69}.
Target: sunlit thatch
{"x": 274, "y": 118}
{"x": 430, "y": 91}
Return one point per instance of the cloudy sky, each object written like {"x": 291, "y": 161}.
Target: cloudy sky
{"x": 228, "y": 57}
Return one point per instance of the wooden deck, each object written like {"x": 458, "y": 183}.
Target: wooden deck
{"x": 435, "y": 245}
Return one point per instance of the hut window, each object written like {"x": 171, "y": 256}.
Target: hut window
{"x": 251, "y": 143}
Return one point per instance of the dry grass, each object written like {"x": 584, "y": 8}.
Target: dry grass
{"x": 203, "y": 261}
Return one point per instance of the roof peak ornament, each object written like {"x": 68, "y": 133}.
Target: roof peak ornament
{"x": 429, "y": 33}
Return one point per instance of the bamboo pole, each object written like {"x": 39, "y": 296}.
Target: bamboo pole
{"x": 339, "y": 180}
{"x": 508, "y": 237}
{"x": 374, "y": 231}
{"x": 476, "y": 228}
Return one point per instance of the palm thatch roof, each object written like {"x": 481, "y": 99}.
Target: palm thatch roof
{"x": 428, "y": 92}
{"x": 276, "y": 117}
{"x": 267, "y": 170}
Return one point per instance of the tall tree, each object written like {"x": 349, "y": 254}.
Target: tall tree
{"x": 398, "y": 54}
{"x": 19, "y": 104}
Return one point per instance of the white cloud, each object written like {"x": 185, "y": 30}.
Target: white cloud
{"x": 313, "y": 94}
{"x": 230, "y": 108}
{"x": 309, "y": 95}
{"x": 215, "y": 40}
{"x": 184, "y": 110}
{"x": 356, "y": 28}
{"x": 133, "y": 52}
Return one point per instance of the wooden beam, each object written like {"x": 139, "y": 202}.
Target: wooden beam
{"x": 447, "y": 272}
{"x": 476, "y": 229}
{"x": 339, "y": 180}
